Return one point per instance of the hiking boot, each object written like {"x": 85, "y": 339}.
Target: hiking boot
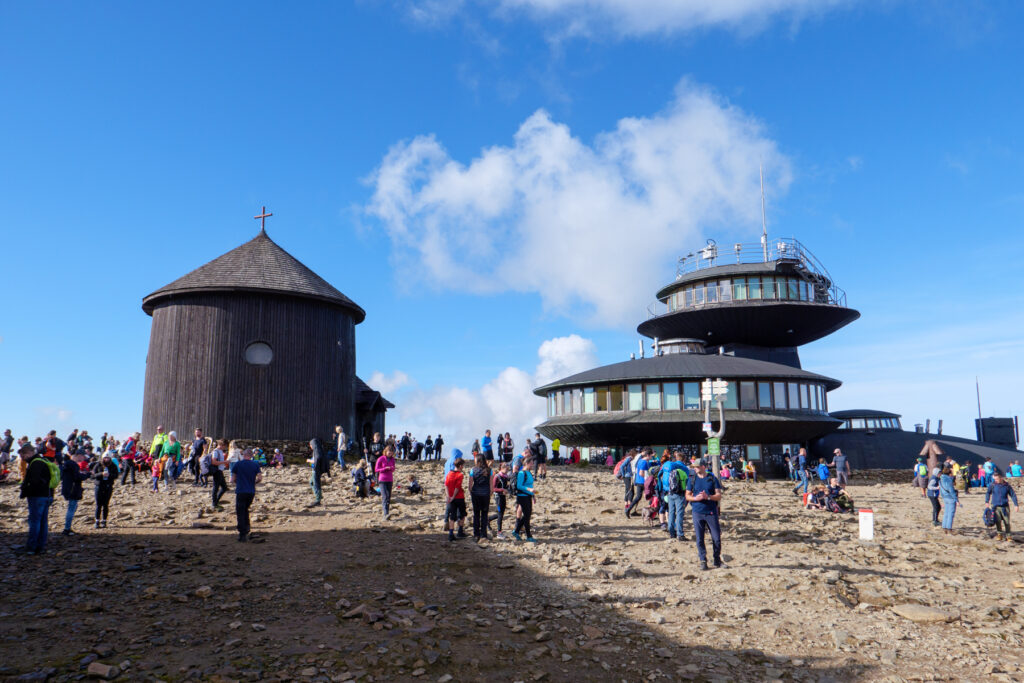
{"x": 664, "y": 527}
{"x": 680, "y": 537}
{"x": 461, "y": 534}
{"x": 451, "y": 536}
{"x": 68, "y": 532}
{"x": 720, "y": 565}
{"x": 515, "y": 535}
{"x": 704, "y": 566}
{"x": 242, "y": 538}
{"x": 97, "y": 524}
{"x": 531, "y": 539}
{"x": 103, "y": 524}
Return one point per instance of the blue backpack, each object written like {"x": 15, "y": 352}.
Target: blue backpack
{"x": 989, "y": 517}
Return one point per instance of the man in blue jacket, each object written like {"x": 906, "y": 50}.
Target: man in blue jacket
{"x": 801, "y": 469}
{"x": 71, "y": 478}
{"x": 998, "y": 498}
{"x": 703, "y": 492}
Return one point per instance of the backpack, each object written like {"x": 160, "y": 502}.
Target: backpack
{"x": 521, "y": 491}
{"x": 677, "y": 482}
{"x": 832, "y": 505}
{"x": 622, "y": 469}
{"x": 55, "y": 475}
{"x": 989, "y": 517}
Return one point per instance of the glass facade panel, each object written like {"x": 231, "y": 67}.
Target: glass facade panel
{"x": 824, "y": 400}
{"x": 725, "y": 290}
{"x": 653, "y": 392}
{"x": 688, "y": 293}
{"x": 857, "y": 423}
{"x": 602, "y": 399}
{"x": 815, "y": 396}
{"x": 805, "y": 398}
{"x": 753, "y": 288}
{"x": 779, "y": 391}
{"x": 732, "y": 399}
{"x": 698, "y": 295}
{"x": 764, "y": 395}
{"x": 748, "y": 396}
{"x": 636, "y": 397}
{"x": 739, "y": 288}
{"x": 671, "y": 392}
{"x": 615, "y": 397}
{"x": 577, "y": 401}
{"x": 794, "y": 289}
{"x": 805, "y": 291}
{"x": 691, "y": 395}
{"x": 753, "y": 452}
{"x": 768, "y": 285}
{"x": 588, "y": 400}
{"x": 794, "y": 395}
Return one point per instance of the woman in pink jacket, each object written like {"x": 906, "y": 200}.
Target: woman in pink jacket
{"x": 385, "y": 469}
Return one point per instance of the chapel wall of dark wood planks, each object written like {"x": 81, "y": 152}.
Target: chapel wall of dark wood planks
{"x": 197, "y": 374}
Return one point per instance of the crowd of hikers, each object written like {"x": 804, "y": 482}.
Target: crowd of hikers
{"x": 944, "y": 483}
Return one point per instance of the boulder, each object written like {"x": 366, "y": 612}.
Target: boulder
{"x": 923, "y": 614}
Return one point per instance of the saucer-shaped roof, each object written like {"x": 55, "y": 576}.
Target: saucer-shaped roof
{"x": 261, "y": 266}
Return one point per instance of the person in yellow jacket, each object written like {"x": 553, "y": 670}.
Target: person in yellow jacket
{"x": 556, "y": 445}
{"x": 159, "y": 439}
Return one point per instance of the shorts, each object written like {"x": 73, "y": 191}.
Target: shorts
{"x": 541, "y": 458}
{"x": 456, "y": 510}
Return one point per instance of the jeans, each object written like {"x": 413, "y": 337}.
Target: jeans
{"x": 341, "y": 459}
{"x": 936, "y": 508}
{"x": 481, "y": 506}
{"x": 242, "y": 503}
{"x": 499, "y": 505}
{"x": 707, "y": 522}
{"x": 947, "y": 516}
{"x": 38, "y": 522}
{"x": 219, "y": 486}
{"x": 314, "y": 483}
{"x": 638, "y": 495}
{"x": 70, "y": 516}
{"x": 169, "y": 476}
{"x": 803, "y": 482}
{"x": 676, "y": 514}
{"x": 523, "y": 523}
{"x": 385, "y": 496}
{"x": 988, "y": 480}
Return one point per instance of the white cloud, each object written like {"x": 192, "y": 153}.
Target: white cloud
{"x": 597, "y": 224}
{"x": 505, "y": 403}
{"x": 386, "y": 384}
{"x": 637, "y": 17}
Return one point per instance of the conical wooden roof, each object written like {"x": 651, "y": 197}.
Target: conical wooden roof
{"x": 259, "y": 265}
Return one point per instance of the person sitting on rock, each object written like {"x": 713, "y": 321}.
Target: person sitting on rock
{"x": 359, "y": 481}
{"x": 816, "y": 499}
{"x": 413, "y": 487}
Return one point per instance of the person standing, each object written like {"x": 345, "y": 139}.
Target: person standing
{"x": 988, "y": 469}
{"x": 556, "y": 445}
{"x": 245, "y": 475}
{"x": 481, "y": 487}
{"x": 933, "y": 495}
{"x": 341, "y": 446}
{"x": 950, "y": 499}
{"x": 428, "y": 448}
{"x": 508, "y": 447}
{"x": 72, "y": 476}
{"x": 500, "y": 486}
{"x": 639, "y": 468}
{"x": 674, "y": 479}
{"x": 105, "y": 474}
{"x": 487, "y": 446}
{"x": 703, "y": 492}
{"x": 157, "y": 447}
{"x": 385, "y": 469}
{"x": 198, "y": 451}
{"x": 455, "y": 500}
{"x": 6, "y": 444}
{"x": 525, "y": 493}
{"x": 921, "y": 476}
{"x": 128, "y": 465}
{"x": 998, "y": 497}
{"x": 37, "y": 488}
{"x": 842, "y": 465}
{"x": 801, "y": 468}
{"x": 218, "y": 463}
{"x": 376, "y": 449}
{"x": 320, "y": 465}
{"x": 540, "y": 456}
{"x": 438, "y": 444}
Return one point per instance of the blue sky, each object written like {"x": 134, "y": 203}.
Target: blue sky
{"x": 502, "y": 186}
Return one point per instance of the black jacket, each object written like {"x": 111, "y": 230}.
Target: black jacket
{"x": 36, "y": 483}
{"x": 71, "y": 478}
{"x": 104, "y": 485}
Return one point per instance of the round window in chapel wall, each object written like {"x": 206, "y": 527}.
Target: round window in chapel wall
{"x": 259, "y": 353}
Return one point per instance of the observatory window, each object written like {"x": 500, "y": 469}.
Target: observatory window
{"x": 688, "y": 293}
{"x": 753, "y": 288}
{"x": 780, "y": 396}
{"x": 259, "y": 353}
{"x": 806, "y": 389}
{"x": 588, "y": 400}
{"x": 653, "y": 397}
{"x": 725, "y": 289}
{"x": 739, "y": 288}
{"x": 602, "y": 399}
{"x": 794, "y": 288}
{"x": 577, "y": 401}
{"x": 698, "y": 295}
{"x": 815, "y": 403}
{"x": 769, "y": 286}
{"x": 764, "y": 395}
{"x": 732, "y": 399}
{"x": 712, "y": 295}
{"x": 636, "y": 397}
{"x": 794, "y": 396}
{"x": 615, "y": 397}
{"x": 691, "y": 395}
{"x": 858, "y": 423}
{"x": 748, "y": 396}
{"x": 671, "y": 391}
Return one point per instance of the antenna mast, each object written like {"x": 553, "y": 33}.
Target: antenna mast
{"x": 977, "y": 388}
{"x": 764, "y": 218}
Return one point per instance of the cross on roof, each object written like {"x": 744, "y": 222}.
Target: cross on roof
{"x": 263, "y": 219}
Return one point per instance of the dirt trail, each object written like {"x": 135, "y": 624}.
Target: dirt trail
{"x": 334, "y": 594}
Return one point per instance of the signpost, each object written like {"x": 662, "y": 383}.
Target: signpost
{"x": 714, "y": 391}
{"x": 714, "y": 447}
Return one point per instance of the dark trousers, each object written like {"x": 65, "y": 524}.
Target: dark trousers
{"x": 38, "y": 523}
{"x": 103, "y": 504}
{"x": 129, "y": 466}
{"x": 499, "y": 505}
{"x": 219, "y": 486}
{"x": 523, "y": 523}
{"x": 638, "y": 495}
{"x": 242, "y": 503}
{"x": 628, "y": 496}
{"x": 385, "y": 496}
{"x": 936, "y": 509}
{"x": 707, "y": 522}
{"x": 481, "y": 506}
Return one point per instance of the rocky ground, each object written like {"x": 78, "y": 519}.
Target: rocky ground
{"x": 334, "y": 594}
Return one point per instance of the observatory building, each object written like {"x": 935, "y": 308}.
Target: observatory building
{"x": 255, "y": 345}
{"x": 738, "y": 314}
